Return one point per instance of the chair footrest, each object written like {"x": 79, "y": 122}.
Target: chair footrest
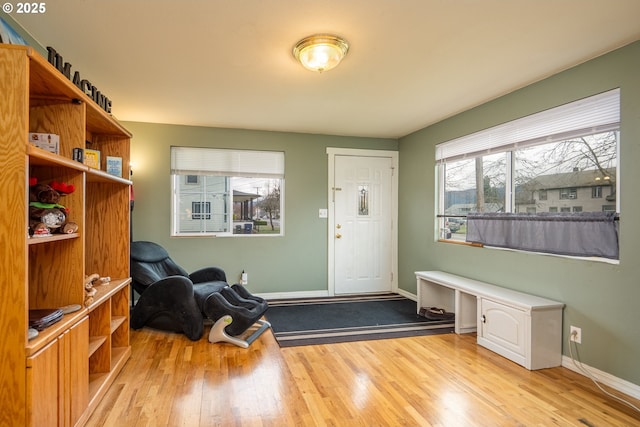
{"x": 218, "y": 334}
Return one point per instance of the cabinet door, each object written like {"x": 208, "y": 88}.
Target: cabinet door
{"x": 504, "y": 326}
{"x": 42, "y": 387}
{"x": 78, "y": 370}
{"x": 58, "y": 379}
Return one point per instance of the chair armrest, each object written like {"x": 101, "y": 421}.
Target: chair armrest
{"x": 170, "y": 281}
{"x": 169, "y": 304}
{"x": 208, "y": 274}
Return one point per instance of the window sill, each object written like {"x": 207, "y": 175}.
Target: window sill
{"x": 480, "y": 245}
{"x": 460, "y": 242}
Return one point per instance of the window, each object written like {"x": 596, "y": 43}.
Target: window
{"x": 596, "y": 192}
{"x": 218, "y": 192}
{"x": 568, "y": 193}
{"x": 200, "y": 210}
{"x": 554, "y": 161}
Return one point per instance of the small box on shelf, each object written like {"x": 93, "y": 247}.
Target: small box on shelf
{"x": 46, "y": 141}
{"x": 78, "y": 155}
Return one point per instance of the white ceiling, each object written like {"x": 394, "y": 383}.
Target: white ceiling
{"x": 412, "y": 63}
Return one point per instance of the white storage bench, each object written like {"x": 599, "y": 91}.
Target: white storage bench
{"x": 521, "y": 327}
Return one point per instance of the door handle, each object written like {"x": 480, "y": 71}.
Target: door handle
{"x": 338, "y": 235}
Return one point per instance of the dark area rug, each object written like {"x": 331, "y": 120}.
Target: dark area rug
{"x": 343, "y": 319}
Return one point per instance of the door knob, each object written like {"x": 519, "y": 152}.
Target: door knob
{"x": 338, "y": 226}
{"x": 338, "y": 235}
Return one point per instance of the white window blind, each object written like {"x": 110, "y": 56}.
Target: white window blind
{"x": 226, "y": 162}
{"x": 595, "y": 114}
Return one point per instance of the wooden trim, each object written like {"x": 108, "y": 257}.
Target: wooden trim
{"x": 456, "y": 242}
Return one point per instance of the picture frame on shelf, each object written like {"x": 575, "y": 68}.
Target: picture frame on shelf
{"x": 114, "y": 166}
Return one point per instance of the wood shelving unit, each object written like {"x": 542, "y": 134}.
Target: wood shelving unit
{"x": 59, "y": 377}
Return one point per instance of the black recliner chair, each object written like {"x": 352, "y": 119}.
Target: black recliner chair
{"x": 173, "y": 300}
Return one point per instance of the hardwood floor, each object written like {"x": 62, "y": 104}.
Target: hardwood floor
{"x": 442, "y": 380}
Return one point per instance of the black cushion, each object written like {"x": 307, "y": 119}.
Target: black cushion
{"x": 148, "y": 252}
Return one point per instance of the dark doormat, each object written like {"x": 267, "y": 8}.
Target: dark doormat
{"x": 344, "y": 319}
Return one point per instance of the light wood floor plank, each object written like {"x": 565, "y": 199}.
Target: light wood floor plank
{"x": 440, "y": 381}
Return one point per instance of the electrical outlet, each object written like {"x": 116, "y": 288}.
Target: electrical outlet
{"x": 576, "y": 334}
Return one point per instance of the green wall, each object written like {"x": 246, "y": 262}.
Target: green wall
{"x": 294, "y": 262}
{"x": 602, "y": 299}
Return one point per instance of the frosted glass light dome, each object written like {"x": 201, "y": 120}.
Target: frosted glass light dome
{"x": 320, "y": 52}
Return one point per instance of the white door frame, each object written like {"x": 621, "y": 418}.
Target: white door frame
{"x": 332, "y": 153}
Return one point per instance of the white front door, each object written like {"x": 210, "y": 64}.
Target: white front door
{"x": 362, "y": 236}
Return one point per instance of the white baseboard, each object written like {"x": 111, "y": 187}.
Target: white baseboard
{"x": 288, "y": 295}
{"x": 604, "y": 378}
{"x": 407, "y": 295}
{"x": 317, "y": 294}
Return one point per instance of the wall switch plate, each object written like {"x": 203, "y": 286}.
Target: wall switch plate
{"x": 322, "y": 213}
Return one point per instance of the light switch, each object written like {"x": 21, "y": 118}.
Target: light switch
{"x": 322, "y": 213}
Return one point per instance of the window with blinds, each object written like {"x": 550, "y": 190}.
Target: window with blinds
{"x": 218, "y": 192}
{"x": 552, "y": 161}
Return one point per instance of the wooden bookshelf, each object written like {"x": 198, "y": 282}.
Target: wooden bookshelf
{"x": 58, "y": 377}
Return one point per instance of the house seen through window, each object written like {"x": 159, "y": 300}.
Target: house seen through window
{"x": 558, "y": 166}
{"x": 226, "y": 192}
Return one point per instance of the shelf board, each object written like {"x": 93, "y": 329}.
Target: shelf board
{"x": 52, "y": 238}
{"x": 96, "y": 382}
{"x": 116, "y": 321}
{"x": 40, "y": 157}
{"x": 107, "y": 290}
{"x": 97, "y": 175}
{"x": 46, "y": 335}
{"x": 95, "y": 343}
{"x": 99, "y": 383}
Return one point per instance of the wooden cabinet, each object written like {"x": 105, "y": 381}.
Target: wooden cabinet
{"x": 58, "y": 379}
{"x": 63, "y": 372}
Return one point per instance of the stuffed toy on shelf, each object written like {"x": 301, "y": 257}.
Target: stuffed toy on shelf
{"x": 46, "y": 214}
{"x": 89, "y": 287}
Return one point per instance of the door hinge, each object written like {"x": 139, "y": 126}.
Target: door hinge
{"x": 391, "y": 277}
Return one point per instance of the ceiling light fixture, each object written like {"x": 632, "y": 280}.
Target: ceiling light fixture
{"x": 320, "y": 52}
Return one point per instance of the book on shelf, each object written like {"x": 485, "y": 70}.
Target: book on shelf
{"x": 114, "y": 166}
{"x": 92, "y": 158}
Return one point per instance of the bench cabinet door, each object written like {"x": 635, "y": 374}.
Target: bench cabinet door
{"x": 504, "y": 326}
